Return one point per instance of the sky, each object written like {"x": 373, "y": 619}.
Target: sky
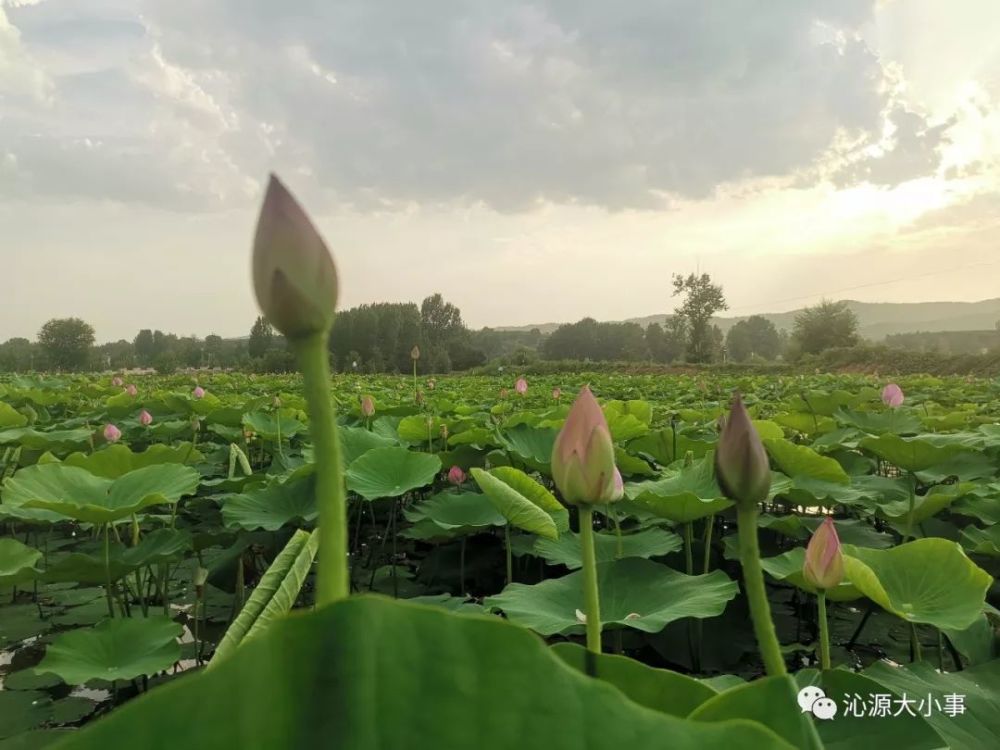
{"x": 534, "y": 162}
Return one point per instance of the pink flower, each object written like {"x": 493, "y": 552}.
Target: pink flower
{"x": 116, "y": 381}
{"x": 131, "y": 390}
{"x": 521, "y": 386}
{"x": 824, "y": 563}
{"x": 145, "y": 418}
{"x": 198, "y": 392}
{"x": 892, "y": 395}
{"x": 367, "y": 406}
{"x": 583, "y": 457}
{"x": 111, "y": 433}
{"x": 455, "y": 475}
{"x": 556, "y": 394}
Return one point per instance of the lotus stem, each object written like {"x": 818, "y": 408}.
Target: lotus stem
{"x": 107, "y": 570}
{"x": 591, "y": 597}
{"x": 824, "y": 631}
{"x": 910, "y": 513}
{"x": 510, "y": 557}
{"x": 753, "y": 583}
{"x": 332, "y": 580}
{"x": 709, "y": 526}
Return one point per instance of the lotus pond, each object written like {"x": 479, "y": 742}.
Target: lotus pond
{"x": 163, "y": 556}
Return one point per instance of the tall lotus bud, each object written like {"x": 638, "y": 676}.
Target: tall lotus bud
{"x": 741, "y": 463}
{"x": 367, "y": 406}
{"x": 145, "y": 418}
{"x": 415, "y": 352}
{"x": 116, "y": 381}
{"x": 111, "y": 433}
{"x": 444, "y": 432}
{"x": 198, "y": 392}
{"x": 521, "y": 386}
{"x": 583, "y": 457}
{"x": 824, "y": 565}
{"x": 455, "y": 475}
{"x": 131, "y": 390}
{"x": 892, "y": 395}
{"x": 293, "y": 274}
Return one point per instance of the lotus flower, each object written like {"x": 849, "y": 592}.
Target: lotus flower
{"x": 556, "y": 394}
{"x": 198, "y": 392}
{"x": 293, "y": 274}
{"x": 116, "y": 381}
{"x": 367, "y": 406}
{"x": 521, "y": 386}
{"x": 145, "y": 418}
{"x": 741, "y": 463}
{"x": 583, "y": 457}
{"x": 111, "y": 433}
{"x": 824, "y": 564}
{"x": 618, "y": 488}
{"x": 455, "y": 475}
{"x": 415, "y": 352}
{"x": 131, "y": 390}
{"x": 892, "y": 395}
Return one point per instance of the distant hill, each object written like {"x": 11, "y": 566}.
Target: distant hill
{"x": 877, "y": 319}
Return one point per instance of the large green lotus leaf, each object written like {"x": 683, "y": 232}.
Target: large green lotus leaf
{"x": 646, "y": 543}
{"x": 515, "y": 506}
{"x": 450, "y": 682}
{"x": 823, "y": 402}
{"x": 802, "y": 461}
{"x": 390, "y": 472}
{"x": 535, "y": 492}
{"x": 271, "y": 426}
{"x": 630, "y": 465}
{"x": 983, "y": 504}
{"x": 356, "y": 441}
{"x": 924, "y": 506}
{"x": 532, "y": 445}
{"x": 57, "y": 441}
{"x": 11, "y": 417}
{"x": 76, "y": 493}
{"x": 273, "y": 506}
{"x": 967, "y": 467}
{"x": 976, "y": 643}
{"x": 162, "y": 545}
{"x": 978, "y": 727}
{"x": 856, "y": 725}
{"x": 804, "y": 490}
{"x": 690, "y": 494}
{"x": 641, "y": 410}
{"x": 115, "y": 460}
{"x": 659, "y": 689}
{"x": 981, "y": 541}
{"x": 924, "y": 581}
{"x": 788, "y": 567}
{"x": 805, "y": 423}
{"x": 626, "y": 427}
{"x": 20, "y": 621}
{"x": 856, "y": 531}
{"x": 898, "y": 421}
{"x": 18, "y": 562}
{"x": 635, "y": 593}
{"x": 453, "y": 510}
{"x": 770, "y": 701}
{"x": 415, "y": 428}
{"x": 118, "y": 649}
{"x": 21, "y": 710}
{"x": 909, "y": 454}
{"x": 666, "y": 448}
{"x": 478, "y": 437}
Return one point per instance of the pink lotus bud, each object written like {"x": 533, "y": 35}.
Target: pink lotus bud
{"x": 824, "y": 564}
{"x": 131, "y": 390}
{"x": 892, "y": 395}
{"x": 367, "y": 406}
{"x": 293, "y": 274}
{"x": 111, "y": 433}
{"x": 145, "y": 418}
{"x": 198, "y": 392}
{"x": 521, "y": 386}
{"x": 741, "y": 463}
{"x": 618, "y": 488}
{"x": 556, "y": 394}
{"x": 116, "y": 381}
{"x": 583, "y": 457}
{"x": 455, "y": 475}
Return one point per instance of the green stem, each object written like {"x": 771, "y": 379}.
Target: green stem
{"x": 709, "y": 526}
{"x": 510, "y": 556}
{"x": 332, "y": 583}
{"x": 753, "y": 583}
{"x": 824, "y": 632}
{"x": 620, "y": 549}
{"x": 688, "y": 552}
{"x": 591, "y": 597}
{"x": 107, "y": 570}
{"x": 909, "y": 515}
{"x": 915, "y": 643}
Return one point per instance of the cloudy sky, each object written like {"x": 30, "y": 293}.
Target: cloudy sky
{"x": 533, "y": 161}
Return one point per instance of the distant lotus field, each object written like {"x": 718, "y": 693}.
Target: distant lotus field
{"x": 157, "y": 531}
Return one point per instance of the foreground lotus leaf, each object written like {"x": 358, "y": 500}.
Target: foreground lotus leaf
{"x": 925, "y": 581}
{"x": 115, "y": 460}
{"x": 635, "y": 593}
{"x": 450, "y": 682}
{"x": 18, "y": 562}
{"x": 390, "y": 472}
{"x": 274, "y": 505}
{"x": 514, "y": 505}
{"x": 646, "y": 543}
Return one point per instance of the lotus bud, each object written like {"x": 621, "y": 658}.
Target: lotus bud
{"x": 455, "y": 475}
{"x": 145, "y": 418}
{"x": 521, "y": 386}
{"x": 415, "y": 352}
{"x": 277, "y": 402}
{"x": 583, "y": 457}
{"x": 111, "y": 433}
{"x": 293, "y": 274}
{"x": 617, "y": 488}
{"x": 116, "y": 381}
{"x": 431, "y": 384}
{"x": 444, "y": 432}
{"x": 131, "y": 390}
{"x": 892, "y": 395}
{"x": 741, "y": 463}
{"x": 419, "y": 397}
{"x": 556, "y": 394}
{"x": 198, "y": 392}
{"x": 824, "y": 564}
{"x": 367, "y": 406}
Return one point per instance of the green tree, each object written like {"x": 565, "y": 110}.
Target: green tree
{"x": 755, "y": 337}
{"x": 66, "y": 342}
{"x": 16, "y": 355}
{"x": 261, "y": 338}
{"x": 143, "y": 346}
{"x": 702, "y": 300}
{"x": 214, "y": 350}
{"x": 440, "y": 321}
{"x": 824, "y": 326}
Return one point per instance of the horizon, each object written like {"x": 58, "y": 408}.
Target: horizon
{"x": 564, "y": 159}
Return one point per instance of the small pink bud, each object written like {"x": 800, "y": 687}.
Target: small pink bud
{"x": 111, "y": 433}
{"x": 455, "y": 475}
{"x": 583, "y": 457}
{"x": 521, "y": 386}
{"x": 198, "y": 392}
{"x": 556, "y": 394}
{"x": 892, "y": 395}
{"x": 824, "y": 563}
{"x": 131, "y": 390}
{"x": 145, "y": 418}
{"x": 367, "y": 406}
{"x": 116, "y": 381}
